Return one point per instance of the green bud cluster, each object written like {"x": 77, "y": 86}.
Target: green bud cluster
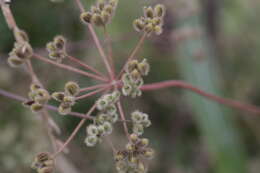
{"x": 43, "y": 163}
{"x": 152, "y": 21}
{"x": 57, "y": 48}
{"x": 22, "y": 50}
{"x": 38, "y": 97}
{"x": 130, "y": 160}
{"x": 106, "y": 117}
{"x": 132, "y": 78}
{"x": 100, "y": 14}
{"x": 140, "y": 121}
{"x": 66, "y": 98}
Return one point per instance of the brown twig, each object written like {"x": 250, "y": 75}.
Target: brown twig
{"x": 181, "y": 84}
{"x": 75, "y": 131}
{"x": 69, "y": 68}
{"x": 132, "y": 55}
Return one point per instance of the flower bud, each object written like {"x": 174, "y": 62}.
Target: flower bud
{"x": 72, "y": 88}
{"x": 134, "y": 138}
{"x": 64, "y": 109}
{"x": 91, "y": 141}
{"x": 148, "y": 12}
{"x": 86, "y": 17}
{"x": 126, "y": 90}
{"x": 35, "y": 107}
{"x": 138, "y": 25}
{"x": 58, "y": 96}
{"x": 105, "y": 17}
{"x": 136, "y": 117}
{"x": 138, "y": 129}
{"x": 158, "y": 30}
{"x": 144, "y": 142}
{"x": 21, "y": 35}
{"x": 15, "y": 61}
{"x": 149, "y": 153}
{"x": 159, "y": 10}
{"x": 59, "y": 42}
{"x": 97, "y": 20}
{"x": 108, "y": 8}
{"x": 148, "y": 28}
{"x": 92, "y": 130}
{"x": 108, "y": 128}
{"x": 144, "y": 67}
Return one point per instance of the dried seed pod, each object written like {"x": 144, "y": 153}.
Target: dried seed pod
{"x": 138, "y": 25}
{"x": 148, "y": 12}
{"x": 59, "y": 42}
{"x": 134, "y": 138}
{"x": 158, "y": 30}
{"x": 64, "y": 109}
{"x": 148, "y": 28}
{"x": 86, "y": 17}
{"x": 97, "y": 20}
{"x": 42, "y": 96}
{"x": 113, "y": 3}
{"x": 135, "y": 75}
{"x": 58, "y": 96}
{"x": 35, "y": 107}
{"x": 108, "y": 8}
{"x": 159, "y": 10}
{"x": 50, "y": 47}
{"x": 138, "y": 129}
{"x": 91, "y": 141}
{"x": 101, "y": 104}
{"x": 72, "y": 88}
{"x": 92, "y": 130}
{"x": 136, "y": 117}
{"x": 101, "y": 4}
{"x": 149, "y": 153}
{"x": 108, "y": 128}
{"x": 126, "y": 90}
{"x": 46, "y": 170}
{"x": 105, "y": 17}
{"x": 21, "y": 35}
{"x": 94, "y": 10}
{"x": 14, "y": 61}
{"x": 144, "y": 67}
{"x": 144, "y": 142}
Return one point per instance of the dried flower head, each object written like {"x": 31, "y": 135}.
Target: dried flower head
{"x": 57, "y": 48}
{"x": 67, "y": 98}
{"x": 152, "y": 21}
{"x": 100, "y": 14}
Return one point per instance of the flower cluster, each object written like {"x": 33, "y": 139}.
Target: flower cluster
{"x": 22, "y": 50}
{"x": 129, "y": 160}
{"x": 100, "y": 14}
{"x": 43, "y": 163}
{"x": 140, "y": 121}
{"x": 152, "y": 21}
{"x": 57, "y": 49}
{"x": 103, "y": 121}
{"x": 38, "y": 97}
{"x": 67, "y": 98}
{"x": 132, "y": 79}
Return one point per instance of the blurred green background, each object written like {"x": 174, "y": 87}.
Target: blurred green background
{"x": 213, "y": 44}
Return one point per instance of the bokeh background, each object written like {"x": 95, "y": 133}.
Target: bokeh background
{"x": 213, "y": 44}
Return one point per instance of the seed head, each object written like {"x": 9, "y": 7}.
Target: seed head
{"x": 91, "y": 141}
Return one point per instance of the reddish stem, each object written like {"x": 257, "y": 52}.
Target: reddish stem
{"x": 88, "y": 67}
{"x": 96, "y": 40}
{"x": 22, "y": 99}
{"x": 91, "y": 93}
{"x": 75, "y": 131}
{"x": 138, "y": 46}
{"x": 120, "y": 108}
{"x": 181, "y": 84}
{"x": 69, "y": 68}
{"x": 94, "y": 87}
